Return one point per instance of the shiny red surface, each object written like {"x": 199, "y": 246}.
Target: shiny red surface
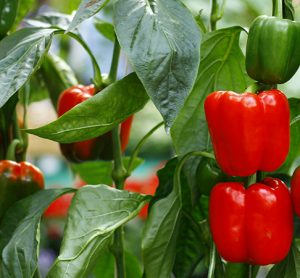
{"x": 253, "y": 225}
{"x": 23, "y": 171}
{"x": 59, "y": 208}
{"x": 295, "y": 190}
{"x": 247, "y": 129}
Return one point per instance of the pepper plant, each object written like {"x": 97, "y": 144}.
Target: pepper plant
{"x": 221, "y": 208}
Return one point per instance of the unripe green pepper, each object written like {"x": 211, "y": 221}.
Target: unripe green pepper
{"x": 272, "y": 53}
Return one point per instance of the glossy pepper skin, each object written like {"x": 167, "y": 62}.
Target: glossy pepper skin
{"x": 272, "y": 52}
{"x": 295, "y": 190}
{"x": 253, "y": 225}
{"x": 96, "y": 148}
{"x": 17, "y": 181}
{"x": 247, "y": 129}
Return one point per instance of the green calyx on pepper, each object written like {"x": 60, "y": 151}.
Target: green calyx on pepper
{"x": 96, "y": 148}
{"x": 17, "y": 181}
{"x": 272, "y": 53}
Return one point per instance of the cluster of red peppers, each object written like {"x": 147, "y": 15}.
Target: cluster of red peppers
{"x": 250, "y": 132}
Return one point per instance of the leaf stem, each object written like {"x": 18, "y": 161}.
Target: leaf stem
{"x": 140, "y": 145}
{"x": 98, "y": 81}
{"x": 177, "y": 172}
{"x": 275, "y": 11}
{"x": 112, "y": 76}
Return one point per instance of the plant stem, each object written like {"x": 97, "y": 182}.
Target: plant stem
{"x": 275, "y": 11}
{"x": 214, "y": 15}
{"x": 23, "y": 133}
{"x": 140, "y": 145}
{"x": 112, "y": 76}
{"x": 119, "y": 176}
{"x": 119, "y": 253}
{"x": 212, "y": 262}
{"x": 119, "y": 173}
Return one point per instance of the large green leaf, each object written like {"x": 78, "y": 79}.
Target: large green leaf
{"x": 20, "y": 55}
{"x": 222, "y": 67}
{"x": 20, "y": 235}
{"x": 51, "y": 19}
{"x": 161, "y": 40}
{"x": 8, "y": 12}
{"x": 105, "y": 267}
{"x": 99, "y": 114}
{"x": 289, "y": 267}
{"x": 57, "y": 75}
{"x": 86, "y": 9}
{"x": 292, "y": 160}
{"x": 95, "y": 213}
{"x": 172, "y": 238}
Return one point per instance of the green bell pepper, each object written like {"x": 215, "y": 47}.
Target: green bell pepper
{"x": 272, "y": 53}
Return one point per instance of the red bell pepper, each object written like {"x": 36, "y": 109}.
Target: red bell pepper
{"x": 249, "y": 132}
{"x": 253, "y": 225}
{"x": 17, "y": 181}
{"x": 295, "y": 190}
{"x": 96, "y": 148}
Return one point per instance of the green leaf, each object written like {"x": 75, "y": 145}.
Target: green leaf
{"x": 190, "y": 248}
{"x": 95, "y": 213}
{"x": 237, "y": 270}
{"x": 57, "y": 75}
{"x": 172, "y": 238}
{"x": 86, "y": 9}
{"x": 20, "y": 55}
{"x": 66, "y": 6}
{"x": 161, "y": 40}
{"x": 289, "y": 267}
{"x": 23, "y": 9}
{"x": 222, "y": 67}
{"x": 160, "y": 235}
{"x": 51, "y": 19}
{"x": 8, "y": 12}
{"x": 99, "y": 114}
{"x": 20, "y": 235}
{"x": 105, "y": 28}
{"x": 293, "y": 157}
{"x": 132, "y": 266}
{"x": 105, "y": 267}
{"x": 97, "y": 172}
{"x": 288, "y": 10}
